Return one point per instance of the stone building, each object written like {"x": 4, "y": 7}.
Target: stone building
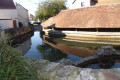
{"x": 22, "y": 14}
{"x": 8, "y": 14}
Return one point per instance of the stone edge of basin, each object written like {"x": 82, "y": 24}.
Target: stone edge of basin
{"x": 55, "y": 71}
{"x": 79, "y": 34}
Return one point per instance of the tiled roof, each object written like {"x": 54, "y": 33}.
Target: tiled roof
{"x": 7, "y": 4}
{"x": 104, "y": 16}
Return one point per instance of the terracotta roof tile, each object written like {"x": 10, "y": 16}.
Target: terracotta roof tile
{"x": 104, "y": 16}
{"x": 7, "y": 4}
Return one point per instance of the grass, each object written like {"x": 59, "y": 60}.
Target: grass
{"x": 13, "y": 66}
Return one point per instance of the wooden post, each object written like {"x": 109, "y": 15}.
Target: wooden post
{"x": 76, "y": 29}
{"x": 97, "y": 29}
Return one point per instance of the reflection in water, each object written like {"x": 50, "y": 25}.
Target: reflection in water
{"x": 54, "y": 55}
{"x": 57, "y": 49}
{"x": 19, "y": 40}
{"x": 24, "y": 47}
{"x": 42, "y": 51}
{"x": 35, "y": 41}
{"x": 105, "y": 64}
{"x": 81, "y": 49}
{"x": 81, "y": 52}
{"x": 50, "y": 53}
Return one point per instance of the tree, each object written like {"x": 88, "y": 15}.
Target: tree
{"x": 49, "y": 8}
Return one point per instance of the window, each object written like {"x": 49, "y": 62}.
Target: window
{"x": 92, "y": 2}
{"x": 82, "y": 4}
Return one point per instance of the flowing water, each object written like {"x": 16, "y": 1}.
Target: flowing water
{"x": 55, "y": 49}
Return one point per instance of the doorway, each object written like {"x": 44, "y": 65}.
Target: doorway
{"x": 14, "y": 24}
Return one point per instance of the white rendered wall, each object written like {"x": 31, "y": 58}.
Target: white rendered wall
{"x": 6, "y": 24}
{"x": 77, "y": 4}
{"x": 8, "y": 14}
{"x": 22, "y": 15}
{"x": 6, "y": 18}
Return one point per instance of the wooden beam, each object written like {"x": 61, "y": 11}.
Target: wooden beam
{"x": 74, "y": 1}
{"x": 5, "y": 19}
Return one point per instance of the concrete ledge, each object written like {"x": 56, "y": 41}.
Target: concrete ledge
{"x": 54, "y": 71}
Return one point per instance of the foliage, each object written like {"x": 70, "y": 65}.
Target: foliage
{"x": 49, "y": 8}
{"x": 31, "y": 28}
{"x": 13, "y": 66}
{"x": 10, "y": 31}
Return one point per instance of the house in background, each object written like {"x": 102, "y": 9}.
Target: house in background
{"x": 82, "y": 3}
{"x": 22, "y": 14}
{"x": 31, "y": 17}
{"x": 8, "y": 14}
{"x": 86, "y": 3}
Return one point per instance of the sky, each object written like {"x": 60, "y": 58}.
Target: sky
{"x": 32, "y": 5}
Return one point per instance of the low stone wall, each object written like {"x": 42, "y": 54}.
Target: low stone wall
{"x": 83, "y": 34}
{"x": 104, "y": 16}
{"x": 54, "y": 71}
{"x": 3, "y": 36}
{"x": 14, "y": 32}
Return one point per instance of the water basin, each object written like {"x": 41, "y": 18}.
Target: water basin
{"x": 55, "y": 49}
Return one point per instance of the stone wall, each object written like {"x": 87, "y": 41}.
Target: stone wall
{"x": 3, "y": 36}
{"x": 54, "y": 71}
{"x": 104, "y": 16}
{"x": 14, "y": 32}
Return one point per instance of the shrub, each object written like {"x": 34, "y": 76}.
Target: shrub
{"x": 13, "y": 66}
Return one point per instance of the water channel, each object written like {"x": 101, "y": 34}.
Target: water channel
{"x": 56, "y": 49}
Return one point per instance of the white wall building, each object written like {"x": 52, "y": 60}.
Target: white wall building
{"x": 8, "y": 14}
{"x": 22, "y": 14}
{"x": 81, "y": 3}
